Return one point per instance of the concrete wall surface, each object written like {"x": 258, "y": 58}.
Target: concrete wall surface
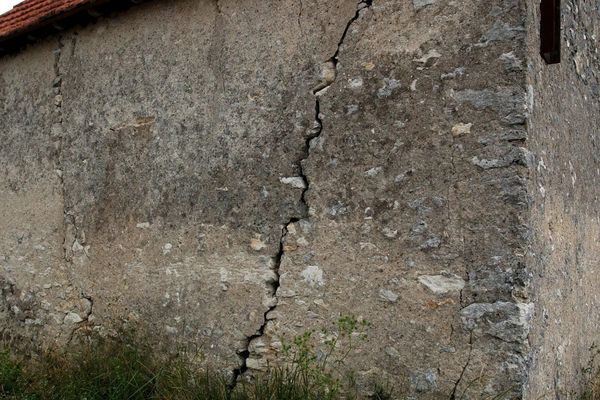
{"x": 231, "y": 174}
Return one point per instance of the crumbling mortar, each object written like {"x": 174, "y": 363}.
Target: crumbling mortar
{"x": 273, "y": 287}
{"x": 57, "y": 88}
{"x": 85, "y": 319}
{"x": 315, "y": 133}
{"x": 68, "y": 218}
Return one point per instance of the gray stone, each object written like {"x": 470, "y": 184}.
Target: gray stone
{"x": 504, "y": 100}
{"x": 313, "y": 276}
{"x": 73, "y": 318}
{"x": 502, "y": 31}
{"x": 296, "y": 182}
{"x": 442, "y": 284}
{"x": 511, "y": 62}
{"x": 507, "y": 321}
{"x": 424, "y": 381}
{"x": 418, "y": 4}
{"x": 389, "y": 86}
{"x": 388, "y": 295}
{"x": 431, "y": 243}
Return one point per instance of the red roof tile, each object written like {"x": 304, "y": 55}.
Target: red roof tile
{"x": 30, "y": 14}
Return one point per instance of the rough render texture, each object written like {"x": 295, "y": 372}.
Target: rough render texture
{"x": 258, "y": 169}
{"x": 564, "y": 253}
{"x": 37, "y": 295}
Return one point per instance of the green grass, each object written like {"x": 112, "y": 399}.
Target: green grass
{"x": 127, "y": 370}
{"x": 113, "y": 370}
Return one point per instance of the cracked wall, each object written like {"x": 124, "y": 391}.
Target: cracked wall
{"x": 252, "y": 170}
{"x": 417, "y": 202}
{"x": 180, "y": 182}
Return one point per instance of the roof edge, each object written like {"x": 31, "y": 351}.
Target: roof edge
{"x": 50, "y": 23}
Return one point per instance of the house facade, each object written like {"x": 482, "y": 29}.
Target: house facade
{"x": 232, "y": 174}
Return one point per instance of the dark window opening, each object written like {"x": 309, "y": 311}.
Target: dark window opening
{"x": 550, "y": 31}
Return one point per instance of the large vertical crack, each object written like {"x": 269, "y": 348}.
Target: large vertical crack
{"x": 59, "y": 136}
{"x": 273, "y": 287}
{"x": 70, "y": 233}
{"x": 58, "y": 114}
{"x": 328, "y": 76}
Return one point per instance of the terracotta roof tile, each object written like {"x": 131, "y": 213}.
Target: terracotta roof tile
{"x": 30, "y": 14}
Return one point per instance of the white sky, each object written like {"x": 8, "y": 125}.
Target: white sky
{"x": 6, "y": 5}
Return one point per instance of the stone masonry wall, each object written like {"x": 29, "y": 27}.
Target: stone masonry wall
{"x": 564, "y": 253}
{"x": 230, "y": 174}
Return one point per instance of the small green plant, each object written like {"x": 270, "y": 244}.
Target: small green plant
{"x": 10, "y": 376}
{"x": 320, "y": 365}
{"x": 348, "y": 328}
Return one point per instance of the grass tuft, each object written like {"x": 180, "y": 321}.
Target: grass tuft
{"x": 126, "y": 370}
{"x": 117, "y": 371}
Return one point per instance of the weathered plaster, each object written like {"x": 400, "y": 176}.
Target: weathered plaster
{"x": 231, "y": 174}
